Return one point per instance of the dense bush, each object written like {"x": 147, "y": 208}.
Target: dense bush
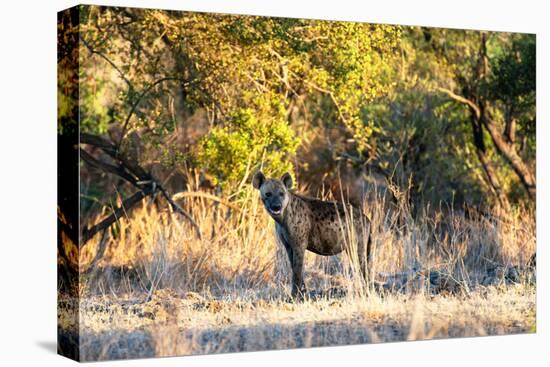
{"x": 397, "y": 100}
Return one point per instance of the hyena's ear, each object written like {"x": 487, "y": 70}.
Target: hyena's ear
{"x": 258, "y": 180}
{"x": 287, "y": 180}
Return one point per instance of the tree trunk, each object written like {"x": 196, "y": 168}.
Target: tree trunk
{"x": 508, "y": 151}
{"x": 504, "y": 143}
{"x": 486, "y": 163}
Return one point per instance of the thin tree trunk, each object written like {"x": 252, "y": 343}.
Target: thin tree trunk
{"x": 506, "y": 149}
{"x": 486, "y": 163}
{"x": 504, "y": 142}
{"x": 511, "y": 155}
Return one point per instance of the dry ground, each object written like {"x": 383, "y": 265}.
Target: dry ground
{"x": 172, "y": 324}
{"x": 160, "y": 291}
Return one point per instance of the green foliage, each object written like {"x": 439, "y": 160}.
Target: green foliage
{"x": 264, "y": 88}
{"x": 423, "y": 135}
{"x": 354, "y": 63}
{"x": 250, "y": 139}
{"x": 331, "y": 69}
{"x": 67, "y": 75}
{"x": 513, "y": 85}
{"x": 94, "y": 112}
{"x": 514, "y": 79}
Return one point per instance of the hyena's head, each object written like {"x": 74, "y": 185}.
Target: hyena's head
{"x": 274, "y": 192}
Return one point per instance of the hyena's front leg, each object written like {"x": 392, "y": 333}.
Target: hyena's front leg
{"x": 288, "y": 250}
{"x": 297, "y": 262}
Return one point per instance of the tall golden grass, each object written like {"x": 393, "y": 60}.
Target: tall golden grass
{"x": 238, "y": 251}
{"x": 159, "y": 290}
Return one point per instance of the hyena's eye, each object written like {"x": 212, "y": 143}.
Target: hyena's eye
{"x": 281, "y": 194}
{"x": 268, "y": 195}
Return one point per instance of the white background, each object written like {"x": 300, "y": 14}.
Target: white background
{"x": 28, "y": 181}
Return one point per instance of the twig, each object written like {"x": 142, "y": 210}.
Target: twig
{"x": 107, "y": 167}
{"x": 129, "y": 203}
{"x": 131, "y": 172}
{"x": 179, "y": 209}
{"x": 138, "y": 100}
{"x": 332, "y": 97}
{"x": 110, "y": 62}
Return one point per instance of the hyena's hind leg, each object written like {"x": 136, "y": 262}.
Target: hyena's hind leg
{"x": 364, "y": 252}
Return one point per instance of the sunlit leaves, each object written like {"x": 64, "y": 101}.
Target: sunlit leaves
{"x": 251, "y": 139}
{"x": 246, "y": 71}
{"x": 259, "y": 80}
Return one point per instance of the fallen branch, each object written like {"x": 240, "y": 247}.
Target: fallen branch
{"x": 204, "y": 195}
{"x": 179, "y": 209}
{"x": 131, "y": 172}
{"x": 127, "y": 204}
{"x": 88, "y": 158}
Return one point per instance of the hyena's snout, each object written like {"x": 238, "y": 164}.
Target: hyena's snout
{"x": 275, "y": 208}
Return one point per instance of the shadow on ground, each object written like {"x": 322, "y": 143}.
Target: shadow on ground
{"x": 48, "y": 345}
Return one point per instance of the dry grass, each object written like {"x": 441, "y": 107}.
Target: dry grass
{"x": 160, "y": 291}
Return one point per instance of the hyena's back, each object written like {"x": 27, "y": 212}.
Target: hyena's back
{"x": 327, "y": 224}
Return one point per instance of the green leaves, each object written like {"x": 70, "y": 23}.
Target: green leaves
{"x": 250, "y": 139}
{"x": 514, "y": 70}
{"x": 248, "y": 91}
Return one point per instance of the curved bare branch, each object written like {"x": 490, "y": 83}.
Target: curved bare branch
{"x": 461, "y": 99}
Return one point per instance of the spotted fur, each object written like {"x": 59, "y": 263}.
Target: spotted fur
{"x": 304, "y": 223}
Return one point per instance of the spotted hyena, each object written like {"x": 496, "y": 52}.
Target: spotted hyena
{"x": 304, "y": 223}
